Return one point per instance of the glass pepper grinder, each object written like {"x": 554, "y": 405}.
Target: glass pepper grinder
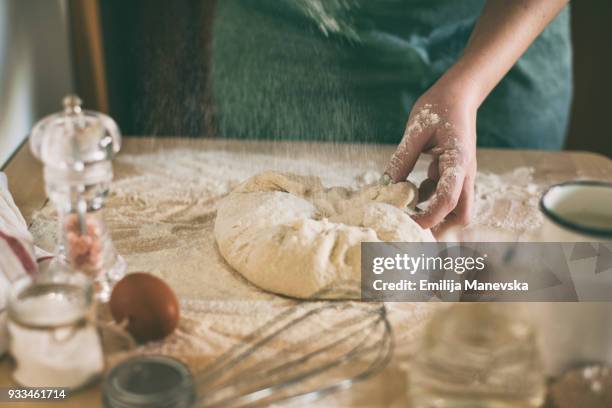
{"x": 76, "y": 147}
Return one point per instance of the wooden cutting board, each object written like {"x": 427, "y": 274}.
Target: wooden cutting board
{"x": 26, "y": 184}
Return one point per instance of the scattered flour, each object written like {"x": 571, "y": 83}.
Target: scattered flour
{"x": 411, "y": 141}
{"x": 161, "y": 214}
{"x": 423, "y": 119}
{"x": 508, "y": 201}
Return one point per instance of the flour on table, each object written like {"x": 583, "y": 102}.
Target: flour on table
{"x": 508, "y": 201}
{"x": 290, "y": 235}
{"x": 161, "y": 214}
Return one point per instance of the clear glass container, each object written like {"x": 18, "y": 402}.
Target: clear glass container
{"x": 76, "y": 148}
{"x": 53, "y": 335}
{"x": 476, "y": 356}
{"x": 149, "y": 381}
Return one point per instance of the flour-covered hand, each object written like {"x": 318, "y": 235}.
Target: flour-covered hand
{"x": 443, "y": 124}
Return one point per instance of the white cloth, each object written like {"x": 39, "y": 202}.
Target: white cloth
{"x": 17, "y": 253}
{"x": 11, "y": 220}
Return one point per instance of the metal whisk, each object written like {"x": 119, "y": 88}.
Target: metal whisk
{"x": 306, "y": 352}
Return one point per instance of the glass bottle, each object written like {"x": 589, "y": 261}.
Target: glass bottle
{"x": 477, "y": 356}
{"x": 76, "y": 148}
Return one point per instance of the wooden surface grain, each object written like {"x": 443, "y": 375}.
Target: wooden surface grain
{"x": 26, "y": 184}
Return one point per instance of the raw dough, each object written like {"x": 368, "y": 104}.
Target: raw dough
{"x": 290, "y": 235}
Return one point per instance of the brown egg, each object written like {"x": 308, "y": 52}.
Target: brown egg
{"x": 147, "y": 303}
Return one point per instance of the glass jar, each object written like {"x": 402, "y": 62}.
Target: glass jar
{"x": 53, "y": 335}
{"x": 149, "y": 381}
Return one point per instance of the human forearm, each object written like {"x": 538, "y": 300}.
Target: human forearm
{"x": 443, "y": 120}
{"x": 503, "y": 32}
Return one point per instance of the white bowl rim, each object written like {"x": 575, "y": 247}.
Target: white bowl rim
{"x": 563, "y": 222}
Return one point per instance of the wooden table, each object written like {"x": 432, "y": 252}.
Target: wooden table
{"x": 26, "y": 184}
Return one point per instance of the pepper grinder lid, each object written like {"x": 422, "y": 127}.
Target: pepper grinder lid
{"x": 75, "y": 138}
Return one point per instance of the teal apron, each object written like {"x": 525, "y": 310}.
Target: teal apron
{"x": 350, "y": 70}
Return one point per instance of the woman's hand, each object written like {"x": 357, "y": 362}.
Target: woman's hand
{"x": 443, "y": 120}
{"x": 443, "y": 124}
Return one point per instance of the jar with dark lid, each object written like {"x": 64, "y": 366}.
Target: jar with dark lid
{"x": 149, "y": 381}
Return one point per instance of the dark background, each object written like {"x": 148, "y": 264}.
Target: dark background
{"x": 174, "y": 37}
{"x": 590, "y": 125}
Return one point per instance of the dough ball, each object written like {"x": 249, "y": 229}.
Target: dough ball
{"x": 290, "y": 235}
